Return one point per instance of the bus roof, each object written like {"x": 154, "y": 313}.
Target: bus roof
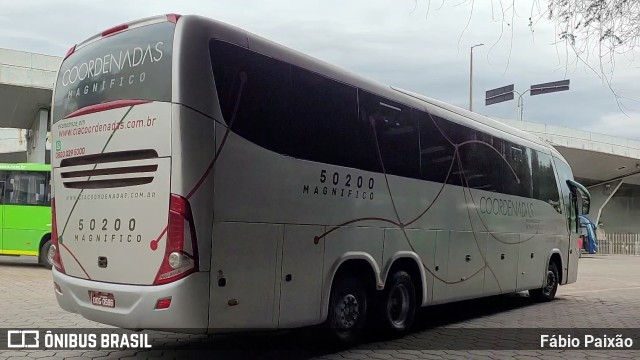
{"x": 25, "y": 166}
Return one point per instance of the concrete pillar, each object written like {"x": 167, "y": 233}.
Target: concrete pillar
{"x": 611, "y": 193}
{"x": 37, "y": 138}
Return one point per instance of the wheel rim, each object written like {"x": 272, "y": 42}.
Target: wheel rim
{"x": 551, "y": 283}
{"x": 398, "y": 305}
{"x": 347, "y": 312}
{"x": 50, "y": 254}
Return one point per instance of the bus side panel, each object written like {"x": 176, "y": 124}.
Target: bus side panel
{"x": 440, "y": 285}
{"x": 572, "y": 257}
{"x": 24, "y": 227}
{"x": 193, "y": 147}
{"x": 301, "y": 278}
{"x": 466, "y": 266}
{"x": 532, "y": 260}
{"x": 502, "y": 264}
{"x": 243, "y": 262}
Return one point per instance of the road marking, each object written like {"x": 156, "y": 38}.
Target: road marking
{"x": 615, "y": 280}
{"x": 600, "y": 290}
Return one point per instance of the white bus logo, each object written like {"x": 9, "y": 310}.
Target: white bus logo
{"x": 19, "y": 339}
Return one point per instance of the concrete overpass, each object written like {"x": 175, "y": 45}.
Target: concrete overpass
{"x": 26, "y": 83}
{"x": 608, "y": 165}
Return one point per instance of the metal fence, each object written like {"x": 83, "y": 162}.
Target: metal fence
{"x": 621, "y": 244}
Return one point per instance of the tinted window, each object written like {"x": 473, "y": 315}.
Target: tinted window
{"x": 397, "y": 134}
{"x": 545, "y": 187}
{"x": 27, "y": 188}
{"x": 290, "y": 110}
{"x": 327, "y": 128}
{"x": 518, "y": 168}
{"x": 254, "y": 91}
{"x": 436, "y": 152}
{"x": 298, "y": 113}
{"x": 484, "y": 168}
{"x": 133, "y": 64}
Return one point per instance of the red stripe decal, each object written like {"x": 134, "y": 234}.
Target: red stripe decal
{"x": 105, "y": 106}
{"x": 76, "y": 259}
{"x": 154, "y": 243}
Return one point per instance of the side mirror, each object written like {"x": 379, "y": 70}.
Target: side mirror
{"x": 577, "y": 188}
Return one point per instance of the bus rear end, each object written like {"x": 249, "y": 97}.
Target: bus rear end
{"x": 125, "y": 250}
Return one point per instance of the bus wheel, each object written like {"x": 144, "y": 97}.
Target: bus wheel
{"x": 548, "y": 290}
{"x": 347, "y": 310}
{"x": 398, "y": 303}
{"x": 44, "y": 257}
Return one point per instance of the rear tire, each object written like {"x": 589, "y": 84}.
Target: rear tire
{"x": 397, "y": 306}
{"x": 347, "y": 310}
{"x": 43, "y": 256}
{"x": 550, "y": 287}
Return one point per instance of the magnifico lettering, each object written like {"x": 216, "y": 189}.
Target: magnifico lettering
{"x": 341, "y": 185}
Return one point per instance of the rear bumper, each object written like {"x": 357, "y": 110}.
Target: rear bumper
{"x": 135, "y": 304}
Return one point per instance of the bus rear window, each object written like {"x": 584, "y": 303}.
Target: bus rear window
{"x": 134, "y": 64}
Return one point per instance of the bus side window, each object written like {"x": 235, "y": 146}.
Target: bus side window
{"x": 397, "y": 134}
{"x": 545, "y": 187}
{"x": 48, "y": 190}
{"x": 25, "y": 188}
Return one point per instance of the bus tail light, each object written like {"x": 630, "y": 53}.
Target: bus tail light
{"x": 55, "y": 244}
{"x": 114, "y": 30}
{"x": 162, "y": 304}
{"x": 181, "y": 253}
{"x": 173, "y": 18}
{"x": 71, "y": 51}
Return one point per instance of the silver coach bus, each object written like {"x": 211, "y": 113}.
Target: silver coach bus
{"x": 208, "y": 180}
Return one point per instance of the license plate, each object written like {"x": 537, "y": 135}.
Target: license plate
{"x": 102, "y": 299}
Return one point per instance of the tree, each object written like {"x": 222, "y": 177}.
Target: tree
{"x": 600, "y": 30}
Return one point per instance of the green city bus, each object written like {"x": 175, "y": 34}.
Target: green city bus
{"x": 25, "y": 210}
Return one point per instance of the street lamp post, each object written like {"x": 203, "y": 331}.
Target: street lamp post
{"x": 471, "y": 77}
{"x": 505, "y": 93}
{"x": 520, "y": 104}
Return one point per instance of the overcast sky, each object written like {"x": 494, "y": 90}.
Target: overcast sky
{"x": 391, "y": 41}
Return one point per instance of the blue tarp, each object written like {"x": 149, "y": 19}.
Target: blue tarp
{"x": 590, "y": 243}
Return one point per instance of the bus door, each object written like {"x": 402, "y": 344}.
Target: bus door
{"x": 573, "y": 194}
{"x": 26, "y": 216}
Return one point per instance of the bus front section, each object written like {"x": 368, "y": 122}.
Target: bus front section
{"x": 124, "y": 244}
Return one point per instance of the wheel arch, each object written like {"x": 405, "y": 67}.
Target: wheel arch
{"x": 362, "y": 264}
{"x": 46, "y": 237}
{"x": 409, "y": 261}
{"x": 555, "y": 255}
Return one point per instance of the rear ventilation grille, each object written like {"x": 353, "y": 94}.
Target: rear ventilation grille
{"x": 110, "y": 177}
{"x": 106, "y": 184}
{"x": 109, "y": 157}
{"x": 110, "y": 171}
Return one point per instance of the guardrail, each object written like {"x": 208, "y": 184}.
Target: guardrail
{"x": 619, "y": 244}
